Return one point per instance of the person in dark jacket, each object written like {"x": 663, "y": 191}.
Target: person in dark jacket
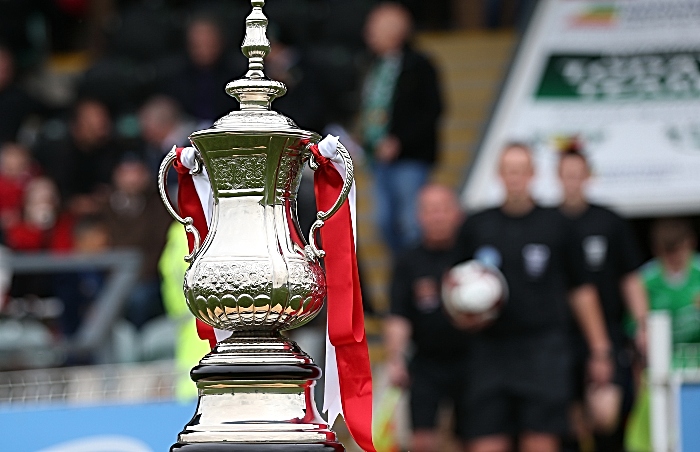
{"x": 15, "y": 103}
{"x": 135, "y": 218}
{"x": 400, "y": 110}
{"x": 198, "y": 85}
{"x": 81, "y": 163}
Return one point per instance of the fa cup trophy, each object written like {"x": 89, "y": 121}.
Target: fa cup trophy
{"x": 254, "y": 274}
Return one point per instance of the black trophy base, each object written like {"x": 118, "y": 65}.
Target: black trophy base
{"x": 257, "y": 447}
{"x": 242, "y": 373}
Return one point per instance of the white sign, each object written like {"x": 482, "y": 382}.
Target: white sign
{"x": 624, "y": 77}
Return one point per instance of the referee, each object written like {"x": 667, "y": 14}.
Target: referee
{"x": 519, "y": 366}
{"x": 417, "y": 320}
{"x": 612, "y": 257}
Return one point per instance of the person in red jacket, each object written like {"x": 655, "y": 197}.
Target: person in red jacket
{"x": 15, "y": 173}
{"x": 42, "y": 226}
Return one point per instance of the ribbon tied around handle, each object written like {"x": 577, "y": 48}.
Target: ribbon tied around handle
{"x": 348, "y": 371}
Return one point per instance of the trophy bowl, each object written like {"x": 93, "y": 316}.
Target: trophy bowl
{"x": 252, "y": 271}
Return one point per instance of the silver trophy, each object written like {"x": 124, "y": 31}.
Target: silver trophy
{"x": 254, "y": 274}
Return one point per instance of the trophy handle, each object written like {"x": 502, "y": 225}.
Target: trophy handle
{"x": 188, "y": 222}
{"x": 321, "y": 217}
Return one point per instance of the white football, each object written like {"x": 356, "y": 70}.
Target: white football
{"x": 474, "y": 288}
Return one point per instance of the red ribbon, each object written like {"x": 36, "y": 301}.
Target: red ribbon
{"x": 189, "y": 205}
{"x": 346, "y": 324}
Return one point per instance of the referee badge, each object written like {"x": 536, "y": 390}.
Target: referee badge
{"x": 535, "y": 258}
{"x": 488, "y": 255}
{"x": 426, "y": 293}
{"x": 595, "y": 249}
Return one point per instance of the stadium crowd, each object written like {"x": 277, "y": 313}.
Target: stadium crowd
{"x": 559, "y": 364}
{"x": 77, "y": 168}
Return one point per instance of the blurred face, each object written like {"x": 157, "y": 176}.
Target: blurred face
{"x": 204, "y": 43}
{"x": 132, "y": 178}
{"x": 14, "y": 161}
{"x": 41, "y": 203}
{"x": 574, "y": 175}
{"x": 677, "y": 259}
{"x": 439, "y": 213}
{"x": 92, "y": 125}
{"x": 153, "y": 129}
{"x": 92, "y": 240}
{"x": 516, "y": 172}
{"x": 157, "y": 119}
{"x": 387, "y": 29}
{"x": 41, "y": 191}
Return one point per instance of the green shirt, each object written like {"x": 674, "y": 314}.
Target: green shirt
{"x": 378, "y": 96}
{"x": 681, "y": 298}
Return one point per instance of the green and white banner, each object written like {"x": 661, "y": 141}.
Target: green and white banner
{"x": 622, "y": 76}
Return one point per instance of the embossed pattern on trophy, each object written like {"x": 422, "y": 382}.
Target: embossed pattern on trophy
{"x": 250, "y": 275}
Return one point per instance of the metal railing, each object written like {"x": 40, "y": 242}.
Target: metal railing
{"x": 122, "y": 270}
{"x": 90, "y": 384}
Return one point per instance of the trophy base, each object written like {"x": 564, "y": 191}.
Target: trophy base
{"x": 256, "y": 394}
{"x": 262, "y": 447}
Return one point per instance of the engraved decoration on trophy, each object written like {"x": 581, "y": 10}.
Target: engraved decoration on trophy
{"x": 251, "y": 271}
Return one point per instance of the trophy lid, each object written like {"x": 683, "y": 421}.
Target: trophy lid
{"x": 254, "y": 90}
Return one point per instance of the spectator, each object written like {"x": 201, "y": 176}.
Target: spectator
{"x": 15, "y": 103}
{"x": 519, "y": 365}
{"x": 162, "y": 127}
{"x": 672, "y": 280}
{"x": 612, "y": 258}
{"x": 43, "y": 226}
{"x": 400, "y": 109}
{"x": 78, "y": 290}
{"x": 82, "y": 164}
{"x": 303, "y": 101}
{"x": 136, "y": 218}
{"x": 198, "y": 86}
{"x": 15, "y": 173}
{"x": 437, "y": 368}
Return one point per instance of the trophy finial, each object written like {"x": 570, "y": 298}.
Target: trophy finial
{"x": 255, "y": 45}
{"x": 255, "y": 91}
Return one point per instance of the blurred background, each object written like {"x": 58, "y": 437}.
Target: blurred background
{"x": 93, "y": 93}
